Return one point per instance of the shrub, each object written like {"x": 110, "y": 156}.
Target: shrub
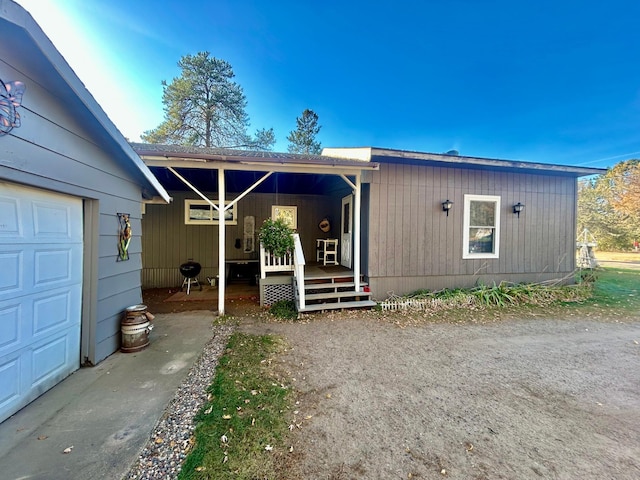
{"x": 276, "y": 237}
{"x": 285, "y": 309}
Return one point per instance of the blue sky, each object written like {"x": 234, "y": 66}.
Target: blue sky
{"x": 545, "y": 81}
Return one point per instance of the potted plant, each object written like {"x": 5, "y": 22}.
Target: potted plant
{"x": 276, "y": 237}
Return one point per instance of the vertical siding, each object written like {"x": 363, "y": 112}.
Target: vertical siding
{"x": 413, "y": 239}
{"x": 167, "y": 241}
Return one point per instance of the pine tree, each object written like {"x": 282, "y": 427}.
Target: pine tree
{"x": 303, "y": 139}
{"x": 205, "y": 107}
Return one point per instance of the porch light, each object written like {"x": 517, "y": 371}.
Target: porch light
{"x": 446, "y": 206}
{"x": 517, "y": 208}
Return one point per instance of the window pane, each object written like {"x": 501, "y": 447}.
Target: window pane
{"x": 199, "y": 212}
{"x": 481, "y": 240}
{"x": 482, "y": 214}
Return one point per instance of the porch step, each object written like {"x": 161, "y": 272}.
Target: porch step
{"x": 323, "y": 296}
{"x": 328, "y": 285}
{"x": 333, "y": 292}
{"x": 338, "y": 306}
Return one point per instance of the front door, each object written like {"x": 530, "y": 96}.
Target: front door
{"x": 346, "y": 231}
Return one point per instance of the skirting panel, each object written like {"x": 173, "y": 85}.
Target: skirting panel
{"x": 274, "y": 289}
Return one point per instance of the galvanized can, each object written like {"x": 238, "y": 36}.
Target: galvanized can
{"x": 135, "y": 326}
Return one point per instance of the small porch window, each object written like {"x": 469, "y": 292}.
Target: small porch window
{"x": 199, "y": 212}
{"x": 481, "y": 235}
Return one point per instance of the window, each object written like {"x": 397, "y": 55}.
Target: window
{"x": 199, "y": 212}
{"x": 481, "y": 236}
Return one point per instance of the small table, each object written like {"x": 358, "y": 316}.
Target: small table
{"x": 327, "y": 251}
{"x": 241, "y": 269}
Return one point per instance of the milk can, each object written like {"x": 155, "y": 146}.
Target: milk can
{"x": 136, "y": 326}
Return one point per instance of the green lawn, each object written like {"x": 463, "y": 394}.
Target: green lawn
{"x": 240, "y": 432}
{"x": 617, "y": 289}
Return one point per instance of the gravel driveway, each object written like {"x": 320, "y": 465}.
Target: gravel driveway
{"x": 517, "y": 399}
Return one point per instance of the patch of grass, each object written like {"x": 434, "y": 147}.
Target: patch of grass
{"x": 285, "y": 309}
{"x": 616, "y": 288}
{"x": 501, "y": 295}
{"x": 240, "y": 432}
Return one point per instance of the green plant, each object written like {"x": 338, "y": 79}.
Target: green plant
{"x": 276, "y": 237}
{"x": 285, "y": 309}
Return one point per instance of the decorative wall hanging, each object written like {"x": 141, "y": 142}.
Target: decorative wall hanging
{"x": 288, "y": 214}
{"x": 324, "y": 225}
{"x": 124, "y": 237}
{"x": 10, "y": 100}
{"x": 249, "y": 233}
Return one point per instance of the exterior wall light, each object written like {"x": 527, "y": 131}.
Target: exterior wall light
{"x": 517, "y": 208}
{"x": 446, "y": 206}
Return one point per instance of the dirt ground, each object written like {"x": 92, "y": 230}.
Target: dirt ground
{"x": 498, "y": 399}
{"x": 516, "y": 399}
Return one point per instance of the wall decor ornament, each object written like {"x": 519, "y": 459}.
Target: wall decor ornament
{"x": 124, "y": 236}
{"x": 324, "y": 225}
{"x": 10, "y": 99}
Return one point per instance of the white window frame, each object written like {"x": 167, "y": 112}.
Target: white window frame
{"x": 212, "y": 213}
{"x": 466, "y": 254}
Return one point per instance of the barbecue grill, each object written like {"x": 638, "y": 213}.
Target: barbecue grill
{"x": 190, "y": 271}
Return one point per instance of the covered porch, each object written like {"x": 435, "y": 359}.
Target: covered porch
{"x": 220, "y": 199}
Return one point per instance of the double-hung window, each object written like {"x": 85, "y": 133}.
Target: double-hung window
{"x": 481, "y": 236}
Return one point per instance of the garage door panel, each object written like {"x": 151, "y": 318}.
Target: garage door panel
{"x": 52, "y": 221}
{"x": 10, "y": 379}
{"x": 11, "y": 266}
{"x": 10, "y": 327}
{"x": 49, "y": 359}
{"x": 52, "y": 312}
{"x": 52, "y": 265}
{"x": 10, "y": 225}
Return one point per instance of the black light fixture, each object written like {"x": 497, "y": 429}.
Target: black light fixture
{"x": 446, "y": 206}
{"x": 517, "y": 208}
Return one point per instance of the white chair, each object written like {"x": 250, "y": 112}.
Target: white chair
{"x": 330, "y": 253}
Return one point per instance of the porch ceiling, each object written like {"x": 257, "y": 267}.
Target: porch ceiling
{"x": 239, "y": 180}
{"x": 294, "y": 173}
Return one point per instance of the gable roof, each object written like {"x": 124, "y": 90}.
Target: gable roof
{"x": 27, "y": 39}
{"x": 388, "y": 155}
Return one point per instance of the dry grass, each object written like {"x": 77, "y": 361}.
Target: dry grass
{"x": 618, "y": 256}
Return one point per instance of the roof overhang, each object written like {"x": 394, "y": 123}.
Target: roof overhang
{"x": 384, "y": 155}
{"x": 178, "y": 156}
{"x": 27, "y": 40}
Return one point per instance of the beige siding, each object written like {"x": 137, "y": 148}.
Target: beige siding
{"x": 168, "y": 242}
{"x": 413, "y": 244}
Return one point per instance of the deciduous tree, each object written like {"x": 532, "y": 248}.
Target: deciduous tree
{"x": 608, "y": 206}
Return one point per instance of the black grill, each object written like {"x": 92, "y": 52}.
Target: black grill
{"x": 190, "y": 269}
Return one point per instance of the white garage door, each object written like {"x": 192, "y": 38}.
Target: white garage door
{"x": 40, "y": 292}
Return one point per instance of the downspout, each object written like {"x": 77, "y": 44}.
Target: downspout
{"x": 221, "y": 246}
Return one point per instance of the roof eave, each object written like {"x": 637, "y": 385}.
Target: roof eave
{"x": 381, "y": 154}
{"x": 20, "y": 17}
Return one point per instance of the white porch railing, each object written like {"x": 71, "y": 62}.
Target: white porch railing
{"x": 298, "y": 272}
{"x": 291, "y": 262}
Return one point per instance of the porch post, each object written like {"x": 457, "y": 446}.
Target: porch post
{"x": 221, "y": 246}
{"x": 356, "y": 233}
